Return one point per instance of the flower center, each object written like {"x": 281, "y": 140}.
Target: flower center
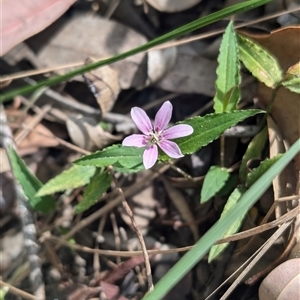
{"x": 154, "y": 138}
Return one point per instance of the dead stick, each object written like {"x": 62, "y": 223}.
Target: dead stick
{"x": 18, "y": 292}
{"x": 136, "y": 229}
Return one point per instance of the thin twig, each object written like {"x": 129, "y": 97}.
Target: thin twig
{"x": 18, "y": 292}
{"x": 238, "y": 236}
{"x": 136, "y": 229}
{"x": 265, "y": 248}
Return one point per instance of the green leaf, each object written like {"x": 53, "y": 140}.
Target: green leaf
{"x": 214, "y": 181}
{"x": 292, "y": 78}
{"x": 259, "y": 62}
{"x": 98, "y": 185}
{"x": 254, "y": 150}
{"x": 216, "y": 250}
{"x": 210, "y": 127}
{"x": 231, "y": 99}
{"x": 123, "y": 157}
{"x": 231, "y": 184}
{"x": 30, "y": 184}
{"x": 206, "y": 129}
{"x": 200, "y": 249}
{"x": 206, "y": 20}
{"x": 134, "y": 169}
{"x": 72, "y": 178}
{"x": 228, "y": 72}
{"x": 261, "y": 169}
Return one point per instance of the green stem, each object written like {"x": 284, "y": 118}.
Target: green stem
{"x": 181, "y": 172}
{"x": 270, "y": 105}
{"x": 214, "y": 17}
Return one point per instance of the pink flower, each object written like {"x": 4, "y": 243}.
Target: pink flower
{"x": 156, "y": 135}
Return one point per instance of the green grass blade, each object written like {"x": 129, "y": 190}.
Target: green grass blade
{"x": 191, "y": 258}
{"x": 214, "y": 17}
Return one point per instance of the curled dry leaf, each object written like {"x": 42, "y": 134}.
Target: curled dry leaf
{"x": 284, "y": 45}
{"x": 104, "y": 83}
{"x": 283, "y": 282}
{"x": 30, "y": 17}
{"x": 172, "y": 6}
{"x": 86, "y": 133}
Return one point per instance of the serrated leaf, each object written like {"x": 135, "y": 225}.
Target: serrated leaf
{"x": 127, "y": 157}
{"x": 259, "y": 62}
{"x": 134, "y": 169}
{"x": 72, "y": 178}
{"x": 30, "y": 184}
{"x": 292, "y": 78}
{"x": 214, "y": 181}
{"x": 228, "y": 75}
{"x": 261, "y": 169}
{"x": 98, "y": 185}
{"x": 209, "y": 128}
{"x": 254, "y": 150}
{"x": 216, "y": 250}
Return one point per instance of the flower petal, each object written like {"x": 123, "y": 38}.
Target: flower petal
{"x": 171, "y": 149}
{"x": 150, "y": 156}
{"x": 177, "y": 131}
{"x": 163, "y": 116}
{"x": 141, "y": 120}
{"x": 135, "y": 140}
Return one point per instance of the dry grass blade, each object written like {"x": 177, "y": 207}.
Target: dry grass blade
{"x": 181, "y": 204}
{"x": 18, "y": 292}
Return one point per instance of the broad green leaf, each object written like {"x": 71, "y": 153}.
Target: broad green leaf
{"x": 261, "y": 169}
{"x": 259, "y": 62}
{"x": 292, "y": 78}
{"x": 200, "y": 249}
{"x": 125, "y": 157}
{"x": 98, "y": 185}
{"x": 231, "y": 184}
{"x": 231, "y": 99}
{"x": 30, "y": 184}
{"x": 72, "y": 178}
{"x": 228, "y": 72}
{"x": 254, "y": 150}
{"x": 206, "y": 20}
{"x": 210, "y": 127}
{"x": 214, "y": 181}
{"x": 216, "y": 250}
